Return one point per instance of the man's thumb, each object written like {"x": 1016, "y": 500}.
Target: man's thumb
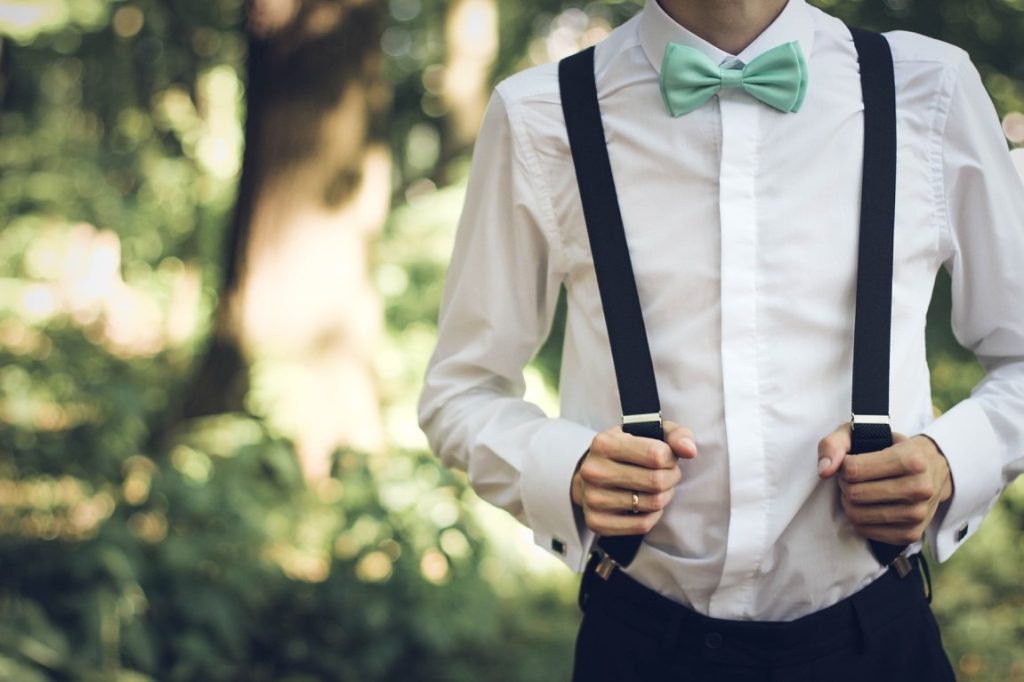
{"x": 680, "y": 439}
{"x": 831, "y": 451}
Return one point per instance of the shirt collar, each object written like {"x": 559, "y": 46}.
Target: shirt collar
{"x": 658, "y": 29}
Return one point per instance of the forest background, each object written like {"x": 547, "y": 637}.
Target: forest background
{"x": 225, "y": 228}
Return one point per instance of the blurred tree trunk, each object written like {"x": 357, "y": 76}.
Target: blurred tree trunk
{"x": 298, "y": 318}
{"x": 471, "y": 48}
{"x": 471, "y": 37}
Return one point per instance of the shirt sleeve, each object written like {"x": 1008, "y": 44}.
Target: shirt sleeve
{"x": 499, "y": 300}
{"x": 982, "y": 437}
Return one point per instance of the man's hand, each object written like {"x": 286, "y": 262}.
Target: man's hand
{"x": 618, "y": 465}
{"x": 890, "y": 495}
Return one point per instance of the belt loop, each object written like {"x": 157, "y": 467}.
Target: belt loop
{"x": 863, "y": 622}
{"x": 587, "y": 581}
{"x": 672, "y": 632}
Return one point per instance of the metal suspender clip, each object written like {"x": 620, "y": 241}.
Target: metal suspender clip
{"x": 902, "y": 565}
{"x": 641, "y": 418}
{"x": 647, "y": 425}
{"x": 856, "y": 419}
{"x": 605, "y": 567}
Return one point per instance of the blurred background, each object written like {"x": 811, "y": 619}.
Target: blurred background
{"x": 225, "y": 227}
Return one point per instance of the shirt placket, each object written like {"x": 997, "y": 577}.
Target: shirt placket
{"x": 748, "y": 505}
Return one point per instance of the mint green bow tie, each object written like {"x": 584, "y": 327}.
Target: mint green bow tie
{"x": 689, "y": 78}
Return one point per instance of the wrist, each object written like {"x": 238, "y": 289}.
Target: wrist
{"x": 576, "y": 486}
{"x": 942, "y": 465}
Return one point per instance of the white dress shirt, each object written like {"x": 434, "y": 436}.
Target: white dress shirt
{"x": 742, "y": 224}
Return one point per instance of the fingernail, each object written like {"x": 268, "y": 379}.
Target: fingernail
{"x": 688, "y": 442}
{"x": 823, "y": 464}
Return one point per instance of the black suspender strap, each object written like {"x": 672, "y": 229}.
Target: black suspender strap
{"x": 634, "y": 371}
{"x": 873, "y": 321}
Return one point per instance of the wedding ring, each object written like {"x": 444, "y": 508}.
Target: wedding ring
{"x": 636, "y": 503}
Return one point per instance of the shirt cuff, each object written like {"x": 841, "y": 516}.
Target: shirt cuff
{"x": 554, "y": 452}
{"x": 966, "y": 438}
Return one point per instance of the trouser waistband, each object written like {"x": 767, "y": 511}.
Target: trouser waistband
{"x": 848, "y": 622}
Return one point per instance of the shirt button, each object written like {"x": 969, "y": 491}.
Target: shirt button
{"x": 713, "y": 640}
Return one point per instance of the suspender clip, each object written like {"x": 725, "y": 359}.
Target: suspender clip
{"x": 605, "y": 567}
{"x": 856, "y": 419}
{"x": 641, "y": 418}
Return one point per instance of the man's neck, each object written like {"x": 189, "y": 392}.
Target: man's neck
{"x": 729, "y": 25}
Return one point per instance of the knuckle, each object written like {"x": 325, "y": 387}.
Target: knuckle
{"x": 650, "y": 520}
{"x": 653, "y": 481}
{"x": 922, "y": 490}
{"x": 590, "y": 471}
{"x": 915, "y": 462}
{"x": 910, "y": 535}
{"x": 665, "y": 480}
{"x": 602, "y": 442}
{"x": 667, "y": 458}
{"x": 599, "y": 524}
{"x": 593, "y": 499}
{"x": 849, "y": 470}
{"x": 654, "y": 456}
{"x": 918, "y": 513}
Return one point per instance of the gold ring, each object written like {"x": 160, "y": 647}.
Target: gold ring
{"x": 636, "y": 503}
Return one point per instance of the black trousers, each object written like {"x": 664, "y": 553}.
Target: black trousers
{"x": 886, "y": 632}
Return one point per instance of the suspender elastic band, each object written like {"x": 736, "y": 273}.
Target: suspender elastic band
{"x": 631, "y": 356}
{"x": 873, "y": 322}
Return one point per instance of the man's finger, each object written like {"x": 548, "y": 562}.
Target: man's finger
{"x": 892, "y": 534}
{"x": 891, "y": 462}
{"x": 619, "y": 446}
{"x": 832, "y": 450}
{"x": 612, "y": 474}
{"x": 621, "y": 501}
{"x": 606, "y": 523}
{"x": 900, "y": 489}
{"x": 898, "y": 514}
{"x": 680, "y": 439}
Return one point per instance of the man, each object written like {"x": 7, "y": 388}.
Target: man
{"x": 742, "y": 227}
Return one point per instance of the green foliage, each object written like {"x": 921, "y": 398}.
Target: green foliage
{"x": 990, "y": 30}
{"x": 978, "y": 597}
{"x": 217, "y": 562}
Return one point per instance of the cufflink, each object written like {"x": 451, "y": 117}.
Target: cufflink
{"x": 961, "y": 532}
{"x": 558, "y": 546}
